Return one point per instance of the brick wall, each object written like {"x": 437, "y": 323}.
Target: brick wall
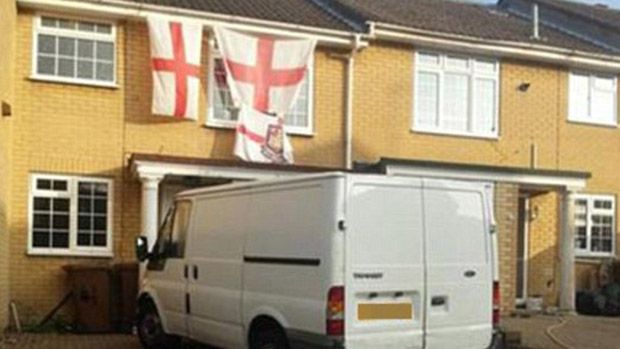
{"x": 506, "y": 215}
{"x": 7, "y": 47}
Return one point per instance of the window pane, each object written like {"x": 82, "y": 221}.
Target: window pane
{"x": 84, "y": 239}
{"x": 66, "y": 46}
{"x": 42, "y": 204}
{"x": 60, "y": 240}
{"x": 66, "y": 24}
{"x": 85, "y": 188}
{"x": 66, "y": 67}
{"x": 41, "y": 238}
{"x": 86, "y": 49}
{"x": 457, "y": 62}
{"x": 61, "y": 205}
{"x": 485, "y": 108}
{"x": 49, "y": 22}
{"x": 101, "y": 206}
{"x": 223, "y": 106}
{"x": 41, "y": 221}
{"x": 427, "y": 99}
{"x": 84, "y": 222}
{"x": 428, "y": 59}
{"x": 603, "y": 106}
{"x": 86, "y": 69}
{"x": 104, "y": 28}
{"x": 485, "y": 66}
{"x": 92, "y": 210}
{"x": 105, "y": 51}
{"x": 105, "y": 71}
{"x": 46, "y": 65}
{"x": 59, "y": 185}
{"x": 578, "y": 96}
{"x": 47, "y": 44}
{"x": 44, "y": 184}
{"x": 298, "y": 116}
{"x": 86, "y": 26}
{"x": 60, "y": 221}
{"x": 100, "y": 240}
{"x": 456, "y": 102}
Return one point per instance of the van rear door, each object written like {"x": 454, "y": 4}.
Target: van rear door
{"x": 384, "y": 263}
{"x": 459, "y": 267}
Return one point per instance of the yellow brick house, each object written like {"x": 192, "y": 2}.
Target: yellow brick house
{"x": 402, "y": 88}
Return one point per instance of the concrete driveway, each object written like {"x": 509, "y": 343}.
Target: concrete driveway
{"x": 570, "y": 332}
{"x": 537, "y": 332}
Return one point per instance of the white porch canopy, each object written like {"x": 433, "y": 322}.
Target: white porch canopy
{"x": 151, "y": 170}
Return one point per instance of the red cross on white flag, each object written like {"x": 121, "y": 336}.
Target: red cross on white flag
{"x": 175, "y": 57}
{"x": 264, "y": 75}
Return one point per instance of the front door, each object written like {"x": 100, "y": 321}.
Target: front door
{"x": 522, "y": 250}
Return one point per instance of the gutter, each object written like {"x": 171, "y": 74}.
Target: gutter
{"x": 140, "y": 11}
{"x": 501, "y": 48}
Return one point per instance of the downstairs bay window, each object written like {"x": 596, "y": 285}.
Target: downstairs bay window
{"x": 70, "y": 216}
{"x": 456, "y": 95}
{"x": 595, "y": 225}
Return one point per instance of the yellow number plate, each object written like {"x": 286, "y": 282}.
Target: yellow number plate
{"x": 385, "y": 311}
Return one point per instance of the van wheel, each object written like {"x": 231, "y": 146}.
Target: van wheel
{"x": 270, "y": 337}
{"x": 150, "y": 329}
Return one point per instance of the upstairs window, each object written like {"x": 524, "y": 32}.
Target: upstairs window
{"x": 222, "y": 113}
{"x": 70, "y": 216}
{"x": 456, "y": 95}
{"x": 592, "y": 99}
{"x": 595, "y": 225}
{"x": 75, "y": 51}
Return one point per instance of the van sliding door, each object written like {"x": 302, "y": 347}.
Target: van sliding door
{"x": 459, "y": 269}
{"x": 384, "y": 263}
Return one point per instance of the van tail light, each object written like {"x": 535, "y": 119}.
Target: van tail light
{"x": 496, "y": 300}
{"x": 335, "y": 311}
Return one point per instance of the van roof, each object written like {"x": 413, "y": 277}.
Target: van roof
{"x": 260, "y": 183}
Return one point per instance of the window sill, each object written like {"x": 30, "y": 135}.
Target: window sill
{"x": 454, "y": 134}
{"x": 593, "y": 123}
{"x": 87, "y": 83}
{"x": 67, "y": 253}
{"x": 590, "y": 256}
{"x": 231, "y": 127}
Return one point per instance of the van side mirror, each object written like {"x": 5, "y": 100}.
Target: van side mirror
{"x": 142, "y": 248}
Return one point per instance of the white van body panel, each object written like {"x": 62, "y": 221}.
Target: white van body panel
{"x": 288, "y": 261}
{"x": 385, "y": 261}
{"x": 414, "y": 257}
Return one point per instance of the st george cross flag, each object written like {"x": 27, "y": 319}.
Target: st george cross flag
{"x": 264, "y": 75}
{"x": 175, "y": 58}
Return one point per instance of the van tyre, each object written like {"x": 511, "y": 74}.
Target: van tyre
{"x": 150, "y": 329}
{"x": 271, "y": 337}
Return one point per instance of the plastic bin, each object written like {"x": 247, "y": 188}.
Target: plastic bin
{"x": 92, "y": 287}
{"x": 126, "y": 276}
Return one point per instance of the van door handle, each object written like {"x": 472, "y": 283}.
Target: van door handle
{"x": 195, "y": 272}
{"x": 470, "y": 273}
{"x": 438, "y": 301}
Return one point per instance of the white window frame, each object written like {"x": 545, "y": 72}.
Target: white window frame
{"x": 72, "y": 193}
{"x": 39, "y": 29}
{"x": 587, "y": 252}
{"x": 472, "y": 74}
{"x": 214, "y": 122}
{"x": 588, "y": 119}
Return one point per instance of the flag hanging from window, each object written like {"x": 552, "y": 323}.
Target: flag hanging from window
{"x": 264, "y": 75}
{"x": 175, "y": 58}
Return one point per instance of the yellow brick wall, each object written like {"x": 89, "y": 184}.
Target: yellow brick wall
{"x": 506, "y": 214}
{"x": 8, "y": 17}
{"x": 92, "y": 131}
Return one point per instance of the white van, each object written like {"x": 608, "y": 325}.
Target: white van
{"x": 323, "y": 261}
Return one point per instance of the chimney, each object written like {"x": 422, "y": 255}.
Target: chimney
{"x": 535, "y": 22}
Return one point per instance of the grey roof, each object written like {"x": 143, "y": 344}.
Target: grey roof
{"x": 302, "y": 12}
{"x": 600, "y": 14}
{"x": 451, "y": 17}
